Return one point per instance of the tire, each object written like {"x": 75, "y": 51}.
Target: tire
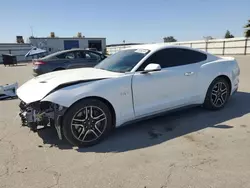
{"x": 81, "y": 128}
{"x": 219, "y": 90}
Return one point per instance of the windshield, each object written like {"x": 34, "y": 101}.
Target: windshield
{"x": 122, "y": 61}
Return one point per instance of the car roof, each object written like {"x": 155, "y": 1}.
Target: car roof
{"x": 60, "y": 52}
{"x": 160, "y": 46}
{"x": 70, "y": 50}
{"x": 64, "y": 51}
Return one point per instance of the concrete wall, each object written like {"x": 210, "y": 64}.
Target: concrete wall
{"x": 16, "y": 49}
{"x": 54, "y": 44}
{"x": 232, "y": 46}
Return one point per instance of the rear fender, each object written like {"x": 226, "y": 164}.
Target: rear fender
{"x": 210, "y": 71}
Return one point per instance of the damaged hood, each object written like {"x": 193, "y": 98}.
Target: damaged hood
{"x": 38, "y": 87}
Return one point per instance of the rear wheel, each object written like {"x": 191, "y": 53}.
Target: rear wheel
{"x": 87, "y": 122}
{"x": 217, "y": 94}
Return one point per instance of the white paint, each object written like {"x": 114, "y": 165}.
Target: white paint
{"x": 152, "y": 67}
{"x": 134, "y": 95}
{"x": 43, "y": 84}
{"x": 165, "y": 89}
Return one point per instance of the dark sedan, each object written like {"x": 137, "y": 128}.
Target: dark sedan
{"x": 67, "y": 59}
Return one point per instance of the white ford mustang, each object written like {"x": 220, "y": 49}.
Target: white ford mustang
{"x": 85, "y": 104}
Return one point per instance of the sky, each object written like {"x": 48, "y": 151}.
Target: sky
{"x": 130, "y": 20}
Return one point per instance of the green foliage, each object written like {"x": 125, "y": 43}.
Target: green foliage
{"x": 169, "y": 39}
{"x": 247, "y": 26}
{"x": 228, "y": 35}
{"x": 247, "y": 33}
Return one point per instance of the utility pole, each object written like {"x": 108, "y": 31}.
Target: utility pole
{"x": 31, "y": 28}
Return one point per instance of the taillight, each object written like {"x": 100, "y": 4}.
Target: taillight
{"x": 39, "y": 63}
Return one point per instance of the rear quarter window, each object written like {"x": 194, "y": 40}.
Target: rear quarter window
{"x": 190, "y": 56}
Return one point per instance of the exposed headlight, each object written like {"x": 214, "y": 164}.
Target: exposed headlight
{"x": 59, "y": 107}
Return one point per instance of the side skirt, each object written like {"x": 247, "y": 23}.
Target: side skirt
{"x": 162, "y": 113}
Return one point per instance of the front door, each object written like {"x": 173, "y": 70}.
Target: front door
{"x": 172, "y": 87}
{"x": 161, "y": 90}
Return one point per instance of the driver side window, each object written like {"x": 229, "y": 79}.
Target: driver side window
{"x": 154, "y": 58}
{"x": 70, "y": 55}
{"x": 172, "y": 57}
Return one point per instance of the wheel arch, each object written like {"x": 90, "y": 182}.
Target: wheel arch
{"x": 105, "y": 101}
{"x": 227, "y": 79}
{"x": 206, "y": 104}
{"x": 220, "y": 76}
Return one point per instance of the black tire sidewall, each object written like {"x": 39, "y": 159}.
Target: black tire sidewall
{"x": 66, "y": 122}
{"x": 208, "y": 103}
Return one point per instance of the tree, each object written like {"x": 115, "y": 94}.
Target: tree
{"x": 228, "y": 35}
{"x": 79, "y": 35}
{"x": 169, "y": 39}
{"x": 247, "y": 26}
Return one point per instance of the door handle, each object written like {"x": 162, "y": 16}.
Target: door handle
{"x": 188, "y": 73}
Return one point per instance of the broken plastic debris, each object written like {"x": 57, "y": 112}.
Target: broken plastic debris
{"x": 8, "y": 91}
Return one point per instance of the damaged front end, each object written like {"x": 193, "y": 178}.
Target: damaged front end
{"x": 42, "y": 114}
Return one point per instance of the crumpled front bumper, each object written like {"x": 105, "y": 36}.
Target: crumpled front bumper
{"x": 31, "y": 117}
{"x": 42, "y": 114}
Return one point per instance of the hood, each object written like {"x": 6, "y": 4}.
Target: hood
{"x": 38, "y": 87}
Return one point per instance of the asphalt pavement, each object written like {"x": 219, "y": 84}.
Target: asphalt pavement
{"x": 194, "y": 148}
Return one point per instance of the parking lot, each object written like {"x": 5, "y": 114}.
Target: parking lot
{"x": 194, "y": 148}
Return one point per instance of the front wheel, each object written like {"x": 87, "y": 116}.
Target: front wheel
{"x": 87, "y": 122}
{"x": 217, "y": 94}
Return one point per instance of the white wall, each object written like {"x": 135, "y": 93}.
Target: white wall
{"x": 217, "y": 46}
{"x": 57, "y": 44}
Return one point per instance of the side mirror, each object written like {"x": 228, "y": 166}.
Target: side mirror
{"x": 151, "y": 68}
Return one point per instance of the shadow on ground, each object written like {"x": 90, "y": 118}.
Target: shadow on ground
{"x": 161, "y": 129}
